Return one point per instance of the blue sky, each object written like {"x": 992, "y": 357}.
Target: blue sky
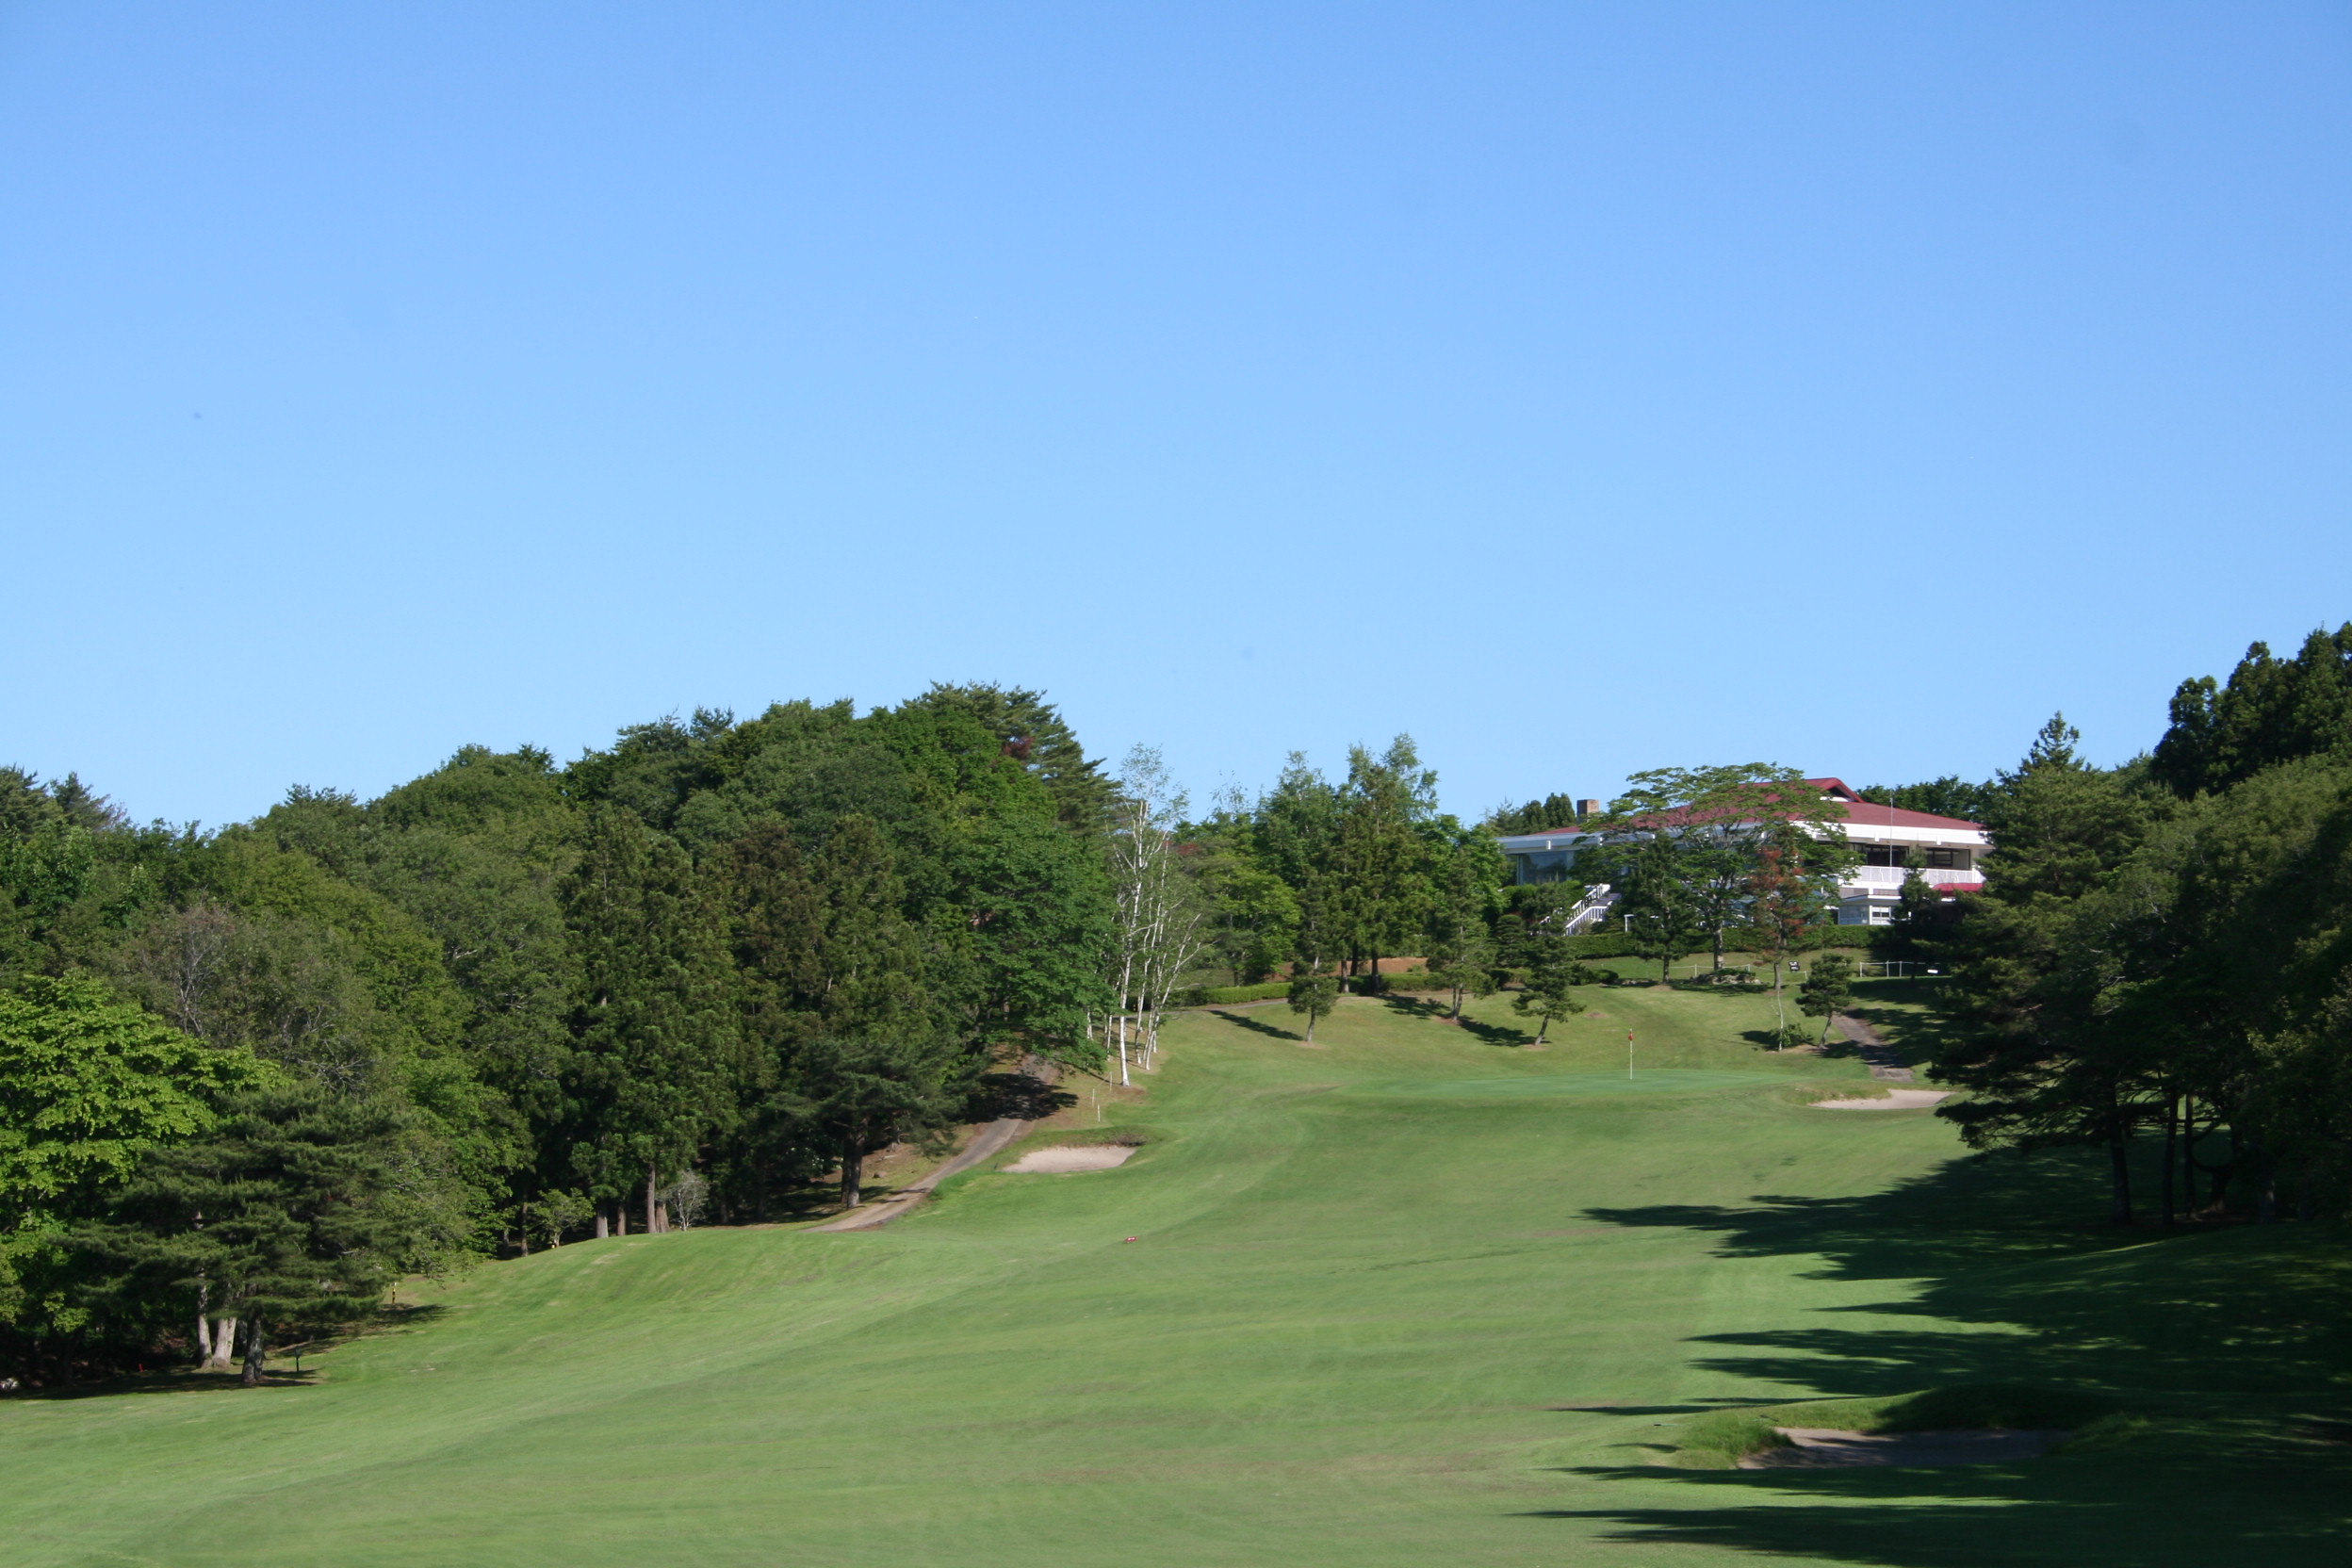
{"x": 1581, "y": 388}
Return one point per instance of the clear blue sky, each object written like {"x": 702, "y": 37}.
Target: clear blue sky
{"x": 1581, "y": 388}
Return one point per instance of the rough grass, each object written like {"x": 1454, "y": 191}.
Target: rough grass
{"x": 1720, "y": 1439}
{"x": 1419, "y": 1295}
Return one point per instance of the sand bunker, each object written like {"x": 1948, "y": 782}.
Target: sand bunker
{"x": 1061, "y": 1161}
{"x": 1893, "y": 1100}
{"x": 1827, "y": 1447}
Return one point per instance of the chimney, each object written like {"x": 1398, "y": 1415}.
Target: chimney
{"x": 1587, "y": 809}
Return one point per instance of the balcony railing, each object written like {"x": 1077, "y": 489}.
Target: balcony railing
{"x": 1892, "y": 876}
{"x": 1589, "y": 911}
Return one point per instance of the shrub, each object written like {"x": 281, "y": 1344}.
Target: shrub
{"x": 1616, "y": 944}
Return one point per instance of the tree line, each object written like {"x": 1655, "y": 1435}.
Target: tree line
{"x": 248, "y": 1077}
{"x": 2160, "y": 963}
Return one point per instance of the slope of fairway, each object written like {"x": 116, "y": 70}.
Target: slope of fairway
{"x": 1413, "y": 1295}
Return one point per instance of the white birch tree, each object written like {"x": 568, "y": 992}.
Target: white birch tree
{"x": 1161, "y": 933}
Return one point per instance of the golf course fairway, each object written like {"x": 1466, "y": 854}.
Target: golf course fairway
{"x": 1412, "y": 1295}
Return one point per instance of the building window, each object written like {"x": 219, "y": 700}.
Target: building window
{"x": 1948, "y": 859}
{"x": 1880, "y": 854}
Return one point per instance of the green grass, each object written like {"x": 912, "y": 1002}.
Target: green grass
{"x": 1718, "y": 1440}
{"x": 1416, "y": 1295}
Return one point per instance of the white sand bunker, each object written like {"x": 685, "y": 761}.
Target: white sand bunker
{"x": 1827, "y": 1447}
{"x": 1893, "y": 1100}
{"x": 1062, "y": 1162}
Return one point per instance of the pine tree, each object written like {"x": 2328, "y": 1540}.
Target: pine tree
{"x": 1827, "y": 990}
{"x": 655, "y": 1032}
{"x": 2038, "y": 1046}
{"x": 1663, "y": 916}
{"x": 1550, "y": 990}
{"x": 290, "y": 1217}
{"x": 1314, "y": 996}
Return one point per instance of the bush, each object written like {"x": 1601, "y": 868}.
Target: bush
{"x": 1732, "y": 981}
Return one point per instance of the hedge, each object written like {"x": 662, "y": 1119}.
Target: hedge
{"x": 1617, "y": 944}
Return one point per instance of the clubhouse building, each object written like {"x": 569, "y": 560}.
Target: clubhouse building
{"x": 1949, "y": 852}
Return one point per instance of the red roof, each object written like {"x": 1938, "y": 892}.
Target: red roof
{"x": 1872, "y": 814}
{"x": 1859, "y": 812}
{"x": 1864, "y": 813}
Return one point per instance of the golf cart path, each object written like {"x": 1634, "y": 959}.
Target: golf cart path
{"x": 992, "y": 1138}
{"x": 1886, "y": 1061}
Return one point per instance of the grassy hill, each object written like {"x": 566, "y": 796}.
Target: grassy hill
{"x": 1415, "y": 1295}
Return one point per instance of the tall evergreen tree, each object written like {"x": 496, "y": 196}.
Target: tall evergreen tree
{"x": 655, "y": 1032}
{"x": 289, "y": 1217}
{"x": 2038, "y": 1047}
{"x": 2272, "y": 710}
{"x": 1379, "y": 884}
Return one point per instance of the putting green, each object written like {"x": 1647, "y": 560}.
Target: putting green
{"x": 1449, "y": 1324}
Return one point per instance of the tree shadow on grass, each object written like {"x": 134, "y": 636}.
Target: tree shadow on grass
{"x": 2231, "y": 1345}
{"x": 1917, "y": 1029}
{"x": 1439, "y": 1009}
{"x": 284, "y": 1368}
{"x": 1023, "y": 1095}
{"x": 1497, "y": 1034}
{"x": 1263, "y": 1028}
{"x": 184, "y": 1380}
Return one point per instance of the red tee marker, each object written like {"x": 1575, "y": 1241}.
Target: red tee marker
{"x": 1131, "y": 1238}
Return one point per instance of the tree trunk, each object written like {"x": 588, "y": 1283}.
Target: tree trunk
{"x": 2265, "y": 1183}
{"x": 256, "y": 1352}
{"x": 604, "y": 1223}
{"x": 223, "y": 1345}
{"x": 204, "y": 1337}
{"x": 2119, "y": 1164}
{"x": 2188, "y": 1158}
{"x": 2172, "y": 1109}
{"x": 853, "y": 1167}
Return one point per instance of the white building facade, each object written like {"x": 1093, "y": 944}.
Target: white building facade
{"x": 1948, "y": 853}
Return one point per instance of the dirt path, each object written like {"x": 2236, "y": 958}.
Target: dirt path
{"x": 1886, "y": 1061}
{"x": 992, "y": 1138}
